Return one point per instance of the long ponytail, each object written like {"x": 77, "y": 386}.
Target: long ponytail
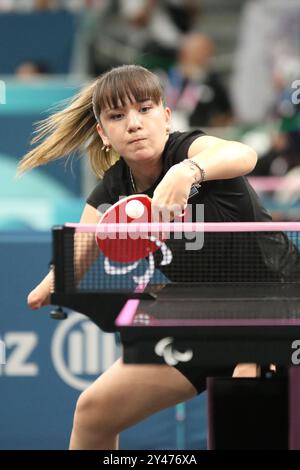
{"x": 66, "y": 131}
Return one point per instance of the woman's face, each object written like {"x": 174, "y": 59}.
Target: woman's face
{"x": 138, "y": 131}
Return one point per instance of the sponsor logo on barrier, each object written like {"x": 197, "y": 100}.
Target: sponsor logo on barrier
{"x": 80, "y": 351}
{"x": 16, "y": 349}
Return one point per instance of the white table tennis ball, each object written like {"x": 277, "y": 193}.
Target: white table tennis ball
{"x": 134, "y": 209}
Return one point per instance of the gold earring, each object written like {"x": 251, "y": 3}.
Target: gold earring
{"x": 105, "y": 148}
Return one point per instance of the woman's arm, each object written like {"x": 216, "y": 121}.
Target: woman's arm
{"x": 90, "y": 215}
{"x": 218, "y": 158}
{"x": 222, "y": 159}
{"x": 40, "y": 295}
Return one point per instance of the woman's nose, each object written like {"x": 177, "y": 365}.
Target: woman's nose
{"x": 133, "y": 121}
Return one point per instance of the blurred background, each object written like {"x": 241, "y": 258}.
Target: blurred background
{"x": 229, "y": 67}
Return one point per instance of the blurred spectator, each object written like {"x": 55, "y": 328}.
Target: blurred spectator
{"x": 43, "y": 4}
{"x": 28, "y": 70}
{"x": 284, "y": 151}
{"x": 127, "y": 31}
{"x": 268, "y": 28}
{"x": 287, "y": 109}
{"x": 192, "y": 87}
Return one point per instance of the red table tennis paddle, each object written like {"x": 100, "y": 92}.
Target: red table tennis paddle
{"x": 125, "y": 247}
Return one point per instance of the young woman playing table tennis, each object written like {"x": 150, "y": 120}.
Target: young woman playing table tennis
{"x": 122, "y": 113}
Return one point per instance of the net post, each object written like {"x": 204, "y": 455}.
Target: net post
{"x": 59, "y": 235}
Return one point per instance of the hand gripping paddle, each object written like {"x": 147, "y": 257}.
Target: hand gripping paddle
{"x": 126, "y": 247}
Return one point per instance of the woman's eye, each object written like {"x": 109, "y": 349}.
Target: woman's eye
{"x": 145, "y": 109}
{"x": 116, "y": 117}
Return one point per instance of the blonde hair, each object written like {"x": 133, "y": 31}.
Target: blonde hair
{"x": 70, "y": 129}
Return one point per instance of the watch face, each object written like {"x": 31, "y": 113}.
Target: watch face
{"x": 194, "y": 191}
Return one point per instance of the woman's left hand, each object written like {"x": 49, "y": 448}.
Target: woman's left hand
{"x": 170, "y": 197}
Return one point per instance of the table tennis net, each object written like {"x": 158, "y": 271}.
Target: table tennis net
{"x": 183, "y": 257}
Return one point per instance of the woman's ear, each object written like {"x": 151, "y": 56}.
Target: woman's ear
{"x": 102, "y": 135}
{"x": 168, "y": 119}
